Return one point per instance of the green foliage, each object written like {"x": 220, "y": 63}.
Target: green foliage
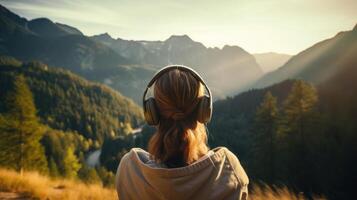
{"x": 265, "y": 138}
{"x": 52, "y": 167}
{"x": 9, "y": 61}
{"x": 314, "y": 143}
{"x": 80, "y": 114}
{"x": 21, "y": 131}
{"x": 114, "y": 149}
{"x": 56, "y": 144}
{"x": 300, "y": 126}
{"x": 71, "y": 164}
{"x": 108, "y": 178}
{"x": 66, "y": 152}
{"x": 67, "y": 102}
{"x": 88, "y": 175}
{"x": 298, "y": 108}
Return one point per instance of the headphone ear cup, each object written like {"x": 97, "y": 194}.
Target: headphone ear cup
{"x": 204, "y": 111}
{"x": 150, "y": 112}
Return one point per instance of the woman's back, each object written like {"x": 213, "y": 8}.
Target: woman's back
{"x": 219, "y": 176}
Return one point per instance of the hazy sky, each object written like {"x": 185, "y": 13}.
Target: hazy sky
{"x": 284, "y": 26}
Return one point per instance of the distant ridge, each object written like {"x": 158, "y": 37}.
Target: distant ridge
{"x": 212, "y": 63}
{"x": 271, "y": 61}
{"x": 319, "y": 62}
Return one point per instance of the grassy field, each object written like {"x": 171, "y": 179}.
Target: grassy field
{"x": 35, "y": 186}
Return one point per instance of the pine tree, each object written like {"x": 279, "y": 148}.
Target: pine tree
{"x": 265, "y": 131}
{"x": 21, "y": 131}
{"x": 299, "y": 127}
{"x": 71, "y": 164}
{"x": 299, "y": 109}
{"x": 52, "y": 166}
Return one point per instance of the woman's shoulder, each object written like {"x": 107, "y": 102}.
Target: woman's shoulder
{"x": 236, "y": 165}
{"x": 126, "y": 162}
{"x": 127, "y": 157}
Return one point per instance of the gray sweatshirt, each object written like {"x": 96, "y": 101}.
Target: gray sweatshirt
{"x": 218, "y": 175}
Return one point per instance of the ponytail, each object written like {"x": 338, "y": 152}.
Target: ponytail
{"x": 178, "y": 143}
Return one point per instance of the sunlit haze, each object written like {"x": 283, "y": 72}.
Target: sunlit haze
{"x": 284, "y": 26}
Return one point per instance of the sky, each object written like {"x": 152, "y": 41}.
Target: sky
{"x": 283, "y": 26}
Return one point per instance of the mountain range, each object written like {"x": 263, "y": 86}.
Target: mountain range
{"x": 124, "y": 65}
{"x": 213, "y": 64}
{"x": 64, "y": 46}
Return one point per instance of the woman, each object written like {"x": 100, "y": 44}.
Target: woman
{"x": 179, "y": 164}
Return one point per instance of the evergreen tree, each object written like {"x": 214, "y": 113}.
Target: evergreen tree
{"x": 21, "y": 131}
{"x": 71, "y": 163}
{"x": 299, "y": 108}
{"x": 299, "y": 127}
{"x": 265, "y": 133}
{"x": 53, "y": 168}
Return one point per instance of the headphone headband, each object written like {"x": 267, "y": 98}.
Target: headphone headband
{"x": 180, "y": 67}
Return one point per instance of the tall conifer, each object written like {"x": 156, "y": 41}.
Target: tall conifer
{"x": 265, "y": 129}
{"x": 21, "y": 131}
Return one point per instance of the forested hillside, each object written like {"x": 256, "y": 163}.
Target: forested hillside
{"x": 51, "y": 119}
{"x": 68, "y": 102}
{"x": 303, "y": 135}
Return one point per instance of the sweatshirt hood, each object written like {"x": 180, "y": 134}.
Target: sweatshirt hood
{"x": 150, "y": 167}
{"x": 203, "y": 176}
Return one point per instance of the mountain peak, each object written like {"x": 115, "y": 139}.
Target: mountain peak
{"x": 6, "y": 13}
{"x": 69, "y": 29}
{"x": 42, "y": 20}
{"x": 355, "y": 28}
{"x": 3, "y": 9}
{"x": 46, "y": 28}
{"x": 104, "y": 36}
{"x": 179, "y": 38}
{"x": 234, "y": 49}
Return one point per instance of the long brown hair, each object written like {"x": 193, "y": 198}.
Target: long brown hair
{"x": 180, "y": 139}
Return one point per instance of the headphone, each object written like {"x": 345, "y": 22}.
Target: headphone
{"x": 204, "y": 110}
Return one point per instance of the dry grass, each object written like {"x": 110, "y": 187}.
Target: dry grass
{"x": 33, "y": 185}
{"x": 36, "y": 186}
{"x": 275, "y": 193}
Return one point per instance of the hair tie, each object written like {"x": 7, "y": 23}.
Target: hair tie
{"x": 178, "y": 115}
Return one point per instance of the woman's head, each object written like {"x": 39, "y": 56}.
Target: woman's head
{"x": 180, "y": 138}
